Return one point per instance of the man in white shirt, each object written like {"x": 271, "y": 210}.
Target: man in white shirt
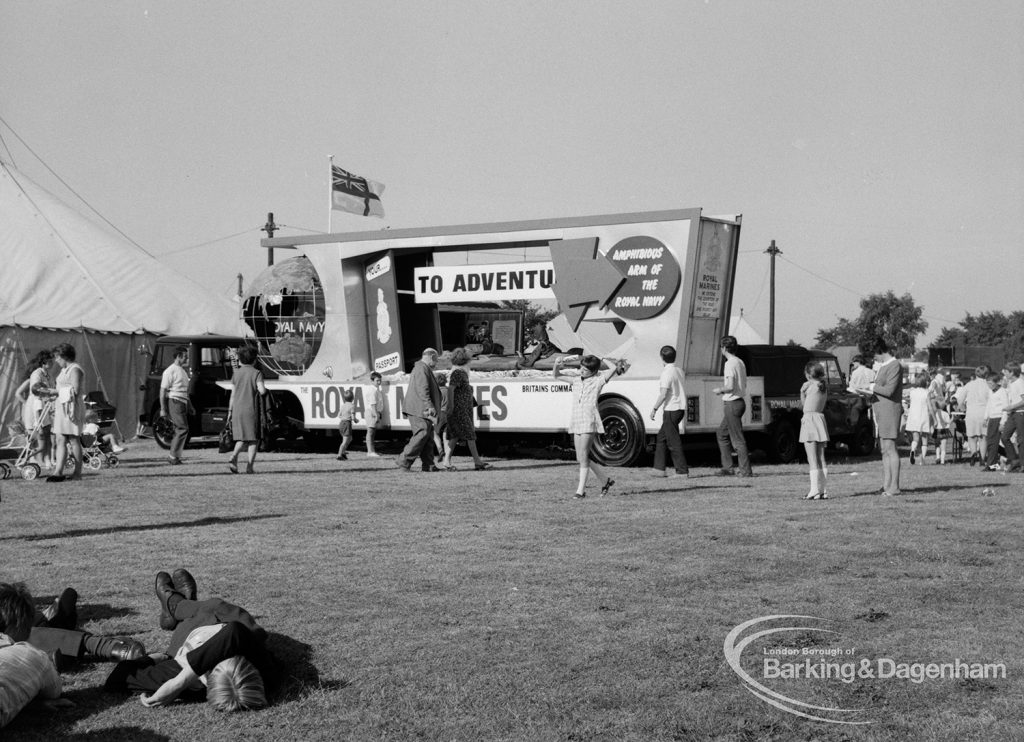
{"x": 673, "y": 396}
{"x": 1015, "y": 419}
{"x": 861, "y": 376}
{"x": 733, "y": 392}
{"x": 174, "y": 401}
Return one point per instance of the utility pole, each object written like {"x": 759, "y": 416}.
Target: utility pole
{"x": 773, "y": 251}
{"x": 239, "y": 286}
{"x": 270, "y": 228}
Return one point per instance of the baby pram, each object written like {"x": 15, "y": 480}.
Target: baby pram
{"x": 94, "y": 455}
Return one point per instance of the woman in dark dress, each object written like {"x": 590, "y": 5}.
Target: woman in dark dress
{"x": 459, "y": 415}
{"x": 247, "y": 390}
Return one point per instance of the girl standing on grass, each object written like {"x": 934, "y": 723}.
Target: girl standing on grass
{"x": 920, "y": 416}
{"x": 813, "y": 431}
{"x": 586, "y": 420}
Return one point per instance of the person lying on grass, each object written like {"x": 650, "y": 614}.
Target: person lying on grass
{"x": 26, "y": 673}
{"x": 217, "y": 650}
{"x": 35, "y": 645}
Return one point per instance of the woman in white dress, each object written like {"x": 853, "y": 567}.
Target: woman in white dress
{"x": 69, "y": 413}
{"x": 34, "y": 392}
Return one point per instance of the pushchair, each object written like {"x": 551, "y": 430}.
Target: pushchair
{"x": 29, "y": 469}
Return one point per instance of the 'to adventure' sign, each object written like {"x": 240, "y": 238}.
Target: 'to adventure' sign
{"x": 637, "y": 279}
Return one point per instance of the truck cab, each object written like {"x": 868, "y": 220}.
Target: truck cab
{"x": 782, "y": 367}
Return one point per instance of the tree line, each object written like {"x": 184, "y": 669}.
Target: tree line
{"x": 899, "y": 321}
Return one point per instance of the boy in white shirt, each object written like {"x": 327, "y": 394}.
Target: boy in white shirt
{"x": 996, "y": 418}
{"x": 1015, "y": 420}
{"x": 673, "y": 396}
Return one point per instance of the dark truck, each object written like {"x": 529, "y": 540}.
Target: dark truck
{"x": 782, "y": 366}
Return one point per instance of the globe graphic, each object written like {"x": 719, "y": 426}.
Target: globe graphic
{"x": 285, "y": 309}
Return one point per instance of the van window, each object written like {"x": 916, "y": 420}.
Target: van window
{"x": 162, "y": 358}
{"x": 835, "y": 376}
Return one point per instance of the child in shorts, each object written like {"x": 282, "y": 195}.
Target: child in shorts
{"x": 346, "y": 416}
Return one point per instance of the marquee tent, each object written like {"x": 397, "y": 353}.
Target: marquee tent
{"x": 67, "y": 278}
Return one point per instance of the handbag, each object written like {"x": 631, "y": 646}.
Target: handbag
{"x": 226, "y": 444}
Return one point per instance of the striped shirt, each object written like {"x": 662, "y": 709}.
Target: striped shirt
{"x": 25, "y": 672}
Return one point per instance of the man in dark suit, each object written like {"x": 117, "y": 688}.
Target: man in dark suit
{"x": 421, "y": 403}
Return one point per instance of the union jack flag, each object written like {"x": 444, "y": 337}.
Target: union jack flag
{"x": 355, "y": 194}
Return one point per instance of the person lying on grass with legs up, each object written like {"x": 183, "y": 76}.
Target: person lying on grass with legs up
{"x": 217, "y": 650}
{"x": 586, "y": 420}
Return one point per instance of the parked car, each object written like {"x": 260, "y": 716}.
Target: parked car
{"x": 211, "y": 358}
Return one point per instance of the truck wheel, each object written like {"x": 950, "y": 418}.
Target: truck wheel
{"x": 783, "y": 443}
{"x": 862, "y": 442}
{"x": 623, "y": 439}
{"x": 163, "y": 429}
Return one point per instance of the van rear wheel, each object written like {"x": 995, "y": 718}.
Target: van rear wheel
{"x": 623, "y": 439}
{"x": 783, "y": 443}
{"x": 163, "y": 429}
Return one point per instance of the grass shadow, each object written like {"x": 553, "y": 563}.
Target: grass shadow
{"x": 37, "y": 722}
{"x": 299, "y": 676}
{"x": 211, "y": 521}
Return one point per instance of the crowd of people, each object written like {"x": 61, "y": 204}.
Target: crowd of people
{"x": 985, "y": 414}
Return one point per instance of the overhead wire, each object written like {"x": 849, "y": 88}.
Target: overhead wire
{"x": 77, "y": 195}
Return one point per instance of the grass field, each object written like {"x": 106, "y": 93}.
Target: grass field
{"x": 492, "y": 606}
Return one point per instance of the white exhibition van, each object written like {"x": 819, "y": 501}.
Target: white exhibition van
{"x": 623, "y": 286}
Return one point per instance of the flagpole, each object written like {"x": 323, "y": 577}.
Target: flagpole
{"x": 330, "y": 193}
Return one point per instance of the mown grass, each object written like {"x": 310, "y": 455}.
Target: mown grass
{"x": 492, "y": 606}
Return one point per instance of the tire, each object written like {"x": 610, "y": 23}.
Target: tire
{"x": 112, "y": 461}
{"x": 623, "y": 439}
{"x": 95, "y": 462}
{"x": 862, "y": 442}
{"x": 30, "y": 472}
{"x": 163, "y": 430}
{"x": 5, "y": 471}
{"x": 783, "y": 443}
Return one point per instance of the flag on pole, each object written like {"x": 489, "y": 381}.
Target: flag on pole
{"x": 355, "y": 194}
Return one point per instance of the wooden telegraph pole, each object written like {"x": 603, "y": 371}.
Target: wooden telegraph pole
{"x": 270, "y": 228}
{"x": 773, "y": 251}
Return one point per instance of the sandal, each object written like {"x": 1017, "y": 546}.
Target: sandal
{"x": 579, "y": 495}
{"x": 481, "y": 466}
{"x": 607, "y": 486}
{"x": 233, "y": 467}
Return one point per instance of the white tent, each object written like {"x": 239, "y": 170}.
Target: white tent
{"x": 67, "y": 278}
{"x": 744, "y": 332}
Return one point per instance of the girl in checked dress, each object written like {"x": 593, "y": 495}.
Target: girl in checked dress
{"x": 586, "y": 420}
{"x": 813, "y": 431}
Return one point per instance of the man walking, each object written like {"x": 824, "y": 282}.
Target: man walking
{"x": 174, "y": 401}
{"x": 733, "y": 392}
{"x": 673, "y": 397}
{"x": 422, "y": 401}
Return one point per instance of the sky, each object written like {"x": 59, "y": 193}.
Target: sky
{"x": 879, "y": 144}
